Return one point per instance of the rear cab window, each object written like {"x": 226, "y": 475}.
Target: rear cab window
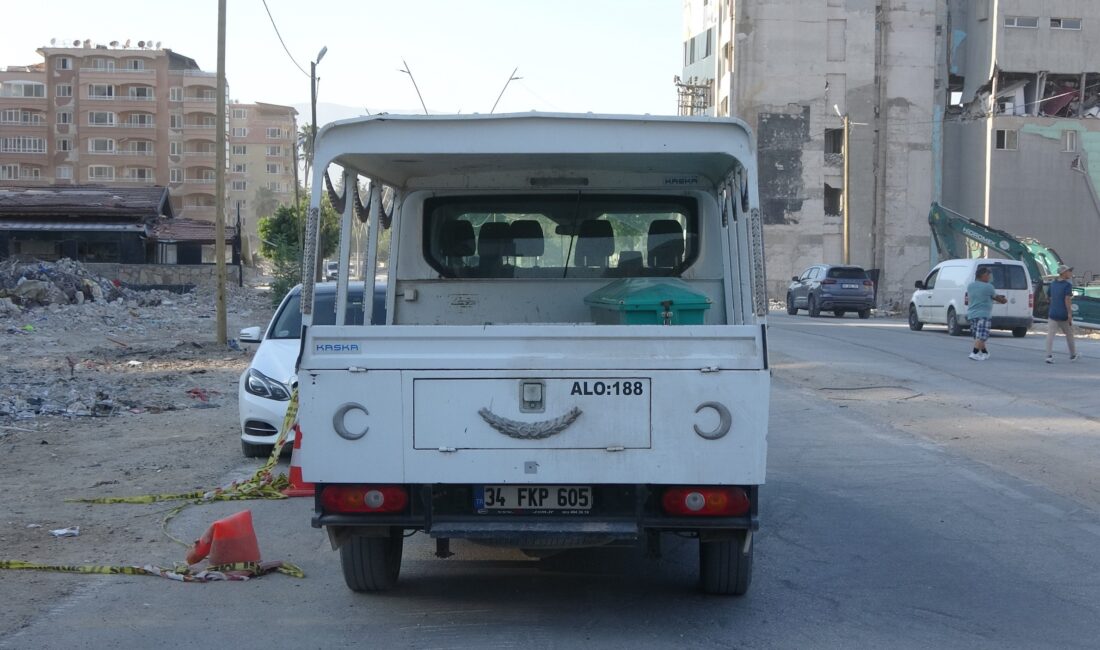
{"x": 840, "y": 273}
{"x": 1008, "y": 277}
{"x": 560, "y": 236}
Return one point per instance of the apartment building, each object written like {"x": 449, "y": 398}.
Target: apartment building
{"x": 262, "y": 161}
{"x": 126, "y": 116}
{"x": 791, "y": 70}
{"x": 1022, "y": 134}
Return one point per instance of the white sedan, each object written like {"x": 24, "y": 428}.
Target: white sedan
{"x": 265, "y": 386}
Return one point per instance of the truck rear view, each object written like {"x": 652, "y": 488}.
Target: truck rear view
{"x": 574, "y": 350}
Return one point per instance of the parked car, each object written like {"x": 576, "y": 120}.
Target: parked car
{"x": 941, "y": 297}
{"x": 831, "y": 287}
{"x": 332, "y": 270}
{"x": 265, "y": 386}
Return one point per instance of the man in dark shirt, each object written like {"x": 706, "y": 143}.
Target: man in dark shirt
{"x": 1060, "y": 316}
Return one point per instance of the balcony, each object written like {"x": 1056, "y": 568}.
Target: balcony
{"x": 199, "y": 154}
{"x": 198, "y": 127}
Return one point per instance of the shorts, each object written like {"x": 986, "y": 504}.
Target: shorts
{"x": 980, "y": 328}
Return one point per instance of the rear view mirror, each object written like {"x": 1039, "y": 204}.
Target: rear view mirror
{"x": 250, "y": 335}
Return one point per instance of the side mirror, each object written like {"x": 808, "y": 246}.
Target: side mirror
{"x": 918, "y": 284}
{"x": 794, "y": 278}
{"x": 250, "y": 335}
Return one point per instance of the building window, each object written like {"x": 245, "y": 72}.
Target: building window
{"x": 141, "y": 174}
{"x": 101, "y": 173}
{"x": 275, "y": 132}
{"x": 1006, "y": 139}
{"x": 64, "y": 117}
{"x": 101, "y": 91}
{"x": 710, "y": 42}
{"x": 1065, "y": 23}
{"x": 64, "y": 173}
{"x": 175, "y": 121}
{"x": 135, "y": 64}
{"x": 239, "y": 132}
{"x": 239, "y": 186}
{"x": 63, "y": 63}
{"x": 272, "y": 168}
{"x": 1069, "y": 141}
{"x": 64, "y": 90}
{"x": 141, "y": 92}
{"x": 174, "y": 148}
{"x": 834, "y": 140}
{"x": 23, "y": 144}
{"x": 9, "y": 172}
{"x": 240, "y": 113}
{"x": 1027, "y": 22}
{"x": 100, "y": 118}
{"x": 239, "y": 168}
{"x": 141, "y": 147}
{"x": 64, "y": 144}
{"x": 275, "y": 187}
{"x": 101, "y": 145}
{"x": 22, "y": 89}
{"x": 103, "y": 64}
{"x": 10, "y": 116}
{"x": 240, "y": 150}
{"x": 274, "y": 150}
{"x": 175, "y": 94}
{"x": 175, "y": 175}
{"x": 141, "y": 119}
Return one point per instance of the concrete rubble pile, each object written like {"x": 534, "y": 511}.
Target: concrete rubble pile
{"x": 65, "y": 282}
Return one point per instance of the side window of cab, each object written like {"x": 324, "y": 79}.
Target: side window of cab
{"x": 930, "y": 281}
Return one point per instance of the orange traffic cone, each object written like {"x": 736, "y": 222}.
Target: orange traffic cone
{"x": 298, "y": 487}
{"x": 227, "y": 541}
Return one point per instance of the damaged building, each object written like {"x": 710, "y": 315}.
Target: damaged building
{"x": 793, "y": 72}
{"x": 1022, "y": 129}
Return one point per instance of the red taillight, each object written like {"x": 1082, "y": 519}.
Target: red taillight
{"x": 364, "y": 498}
{"x": 868, "y": 283}
{"x": 706, "y": 501}
{"x": 828, "y": 281}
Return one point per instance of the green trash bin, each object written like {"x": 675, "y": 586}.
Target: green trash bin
{"x": 647, "y": 301}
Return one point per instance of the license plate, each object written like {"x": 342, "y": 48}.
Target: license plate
{"x": 850, "y": 286}
{"x": 533, "y": 498}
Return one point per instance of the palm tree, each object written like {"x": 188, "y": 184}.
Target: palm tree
{"x": 305, "y": 147}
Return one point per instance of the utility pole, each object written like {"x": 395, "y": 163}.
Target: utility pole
{"x": 847, "y": 188}
{"x": 318, "y": 267}
{"x": 219, "y": 158}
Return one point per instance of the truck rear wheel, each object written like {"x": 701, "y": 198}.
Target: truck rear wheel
{"x": 725, "y": 565}
{"x": 372, "y": 563}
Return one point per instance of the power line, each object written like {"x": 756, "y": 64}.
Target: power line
{"x": 276, "y": 28}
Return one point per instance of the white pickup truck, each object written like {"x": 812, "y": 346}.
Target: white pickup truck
{"x": 574, "y": 350}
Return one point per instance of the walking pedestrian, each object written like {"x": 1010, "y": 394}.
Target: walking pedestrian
{"x": 1060, "y": 316}
{"x": 981, "y": 296}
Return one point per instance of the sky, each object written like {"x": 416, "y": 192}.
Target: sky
{"x": 603, "y": 56}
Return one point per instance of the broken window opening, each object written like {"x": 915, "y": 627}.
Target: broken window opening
{"x": 834, "y": 201}
{"x": 1065, "y": 23}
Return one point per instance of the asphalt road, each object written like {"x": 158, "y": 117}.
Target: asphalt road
{"x": 915, "y": 499}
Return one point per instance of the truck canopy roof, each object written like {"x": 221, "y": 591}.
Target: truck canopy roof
{"x": 406, "y": 151}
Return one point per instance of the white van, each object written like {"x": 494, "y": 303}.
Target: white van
{"x": 941, "y": 297}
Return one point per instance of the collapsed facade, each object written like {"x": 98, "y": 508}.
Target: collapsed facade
{"x": 986, "y": 106}
{"x": 1021, "y": 134}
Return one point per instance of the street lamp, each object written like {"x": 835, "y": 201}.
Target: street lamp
{"x": 313, "y": 141}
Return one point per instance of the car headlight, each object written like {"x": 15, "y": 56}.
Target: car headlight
{"x": 261, "y": 385}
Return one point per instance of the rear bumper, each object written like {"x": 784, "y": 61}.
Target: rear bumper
{"x": 620, "y": 513}
{"x": 1011, "y": 322}
{"x": 829, "y": 303}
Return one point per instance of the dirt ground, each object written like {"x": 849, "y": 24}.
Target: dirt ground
{"x": 111, "y": 399}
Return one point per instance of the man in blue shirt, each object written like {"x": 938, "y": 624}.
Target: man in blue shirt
{"x": 980, "y": 296}
{"x": 1060, "y": 316}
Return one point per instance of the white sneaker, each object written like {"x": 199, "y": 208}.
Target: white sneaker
{"x": 1075, "y": 357}
{"x": 976, "y": 356}
{"x": 984, "y": 355}
{"x": 1050, "y": 359}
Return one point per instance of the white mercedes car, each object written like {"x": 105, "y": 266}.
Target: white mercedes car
{"x": 265, "y": 386}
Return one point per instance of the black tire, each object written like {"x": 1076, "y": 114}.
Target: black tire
{"x": 864, "y": 313}
{"x": 914, "y": 320}
{"x": 791, "y": 309}
{"x": 953, "y": 327}
{"x": 1019, "y": 332}
{"x": 723, "y": 567}
{"x": 372, "y": 563}
{"x": 814, "y": 310}
{"x": 839, "y": 313}
{"x": 255, "y": 451}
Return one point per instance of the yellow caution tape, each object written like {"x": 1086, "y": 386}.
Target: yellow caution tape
{"x": 261, "y": 485}
{"x": 181, "y": 573}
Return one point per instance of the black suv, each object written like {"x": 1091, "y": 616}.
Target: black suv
{"x": 831, "y": 287}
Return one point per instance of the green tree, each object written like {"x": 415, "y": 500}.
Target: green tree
{"x": 280, "y": 241}
{"x": 305, "y": 149}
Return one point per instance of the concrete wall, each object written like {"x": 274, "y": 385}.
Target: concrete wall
{"x": 1053, "y": 50}
{"x": 200, "y": 275}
